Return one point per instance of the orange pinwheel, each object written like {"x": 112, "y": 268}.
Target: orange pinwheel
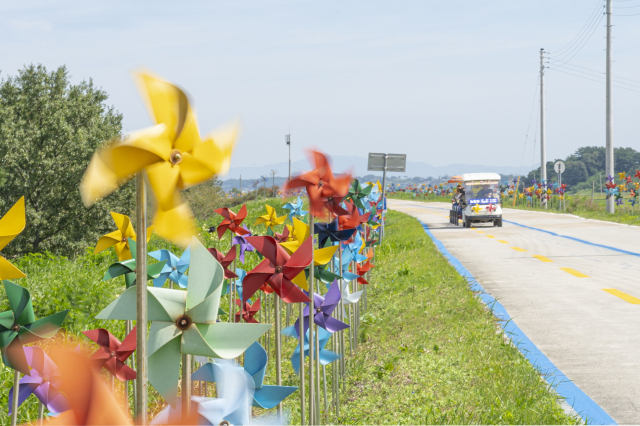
{"x": 232, "y": 221}
{"x": 353, "y": 219}
{"x": 363, "y": 270}
{"x": 324, "y": 190}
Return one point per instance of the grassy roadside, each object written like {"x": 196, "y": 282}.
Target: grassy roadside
{"x": 430, "y": 351}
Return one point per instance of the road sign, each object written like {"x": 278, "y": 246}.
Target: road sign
{"x": 393, "y": 163}
{"x": 559, "y": 167}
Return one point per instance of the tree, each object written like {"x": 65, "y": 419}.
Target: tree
{"x": 575, "y": 172}
{"x": 49, "y": 129}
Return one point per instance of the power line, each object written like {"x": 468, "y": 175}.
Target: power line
{"x": 600, "y": 72}
{"x": 526, "y": 138}
{"x": 635, "y": 14}
{"x": 584, "y": 42}
{"x": 597, "y": 81}
{"x": 591, "y": 74}
{"x": 591, "y": 16}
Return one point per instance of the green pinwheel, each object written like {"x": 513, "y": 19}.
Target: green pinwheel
{"x": 184, "y": 322}
{"x": 128, "y": 268}
{"x": 357, "y": 193}
{"x": 19, "y": 327}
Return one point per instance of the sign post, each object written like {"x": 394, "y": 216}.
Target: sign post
{"x": 386, "y": 162}
{"x": 559, "y": 168}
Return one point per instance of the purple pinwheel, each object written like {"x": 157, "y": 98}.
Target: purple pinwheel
{"x": 533, "y": 181}
{"x": 43, "y": 381}
{"x": 242, "y": 244}
{"x": 324, "y": 307}
{"x": 609, "y": 178}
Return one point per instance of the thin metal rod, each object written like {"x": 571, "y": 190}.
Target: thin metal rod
{"x": 324, "y": 383}
{"x": 303, "y": 382}
{"x": 278, "y": 352}
{"x": 16, "y": 393}
{"x": 384, "y": 180}
{"x": 312, "y": 360}
{"x": 141, "y": 303}
{"x": 40, "y": 413}
{"x": 186, "y": 384}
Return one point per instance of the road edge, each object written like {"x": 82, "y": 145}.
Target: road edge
{"x": 579, "y": 401}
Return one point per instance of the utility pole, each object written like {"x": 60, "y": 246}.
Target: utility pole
{"x": 287, "y": 138}
{"x": 611, "y": 206}
{"x": 240, "y": 184}
{"x": 264, "y": 186}
{"x": 273, "y": 181}
{"x": 543, "y": 148}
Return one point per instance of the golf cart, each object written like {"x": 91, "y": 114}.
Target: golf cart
{"x": 477, "y": 200}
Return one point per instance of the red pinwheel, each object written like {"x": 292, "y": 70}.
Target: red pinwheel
{"x": 232, "y": 221}
{"x": 113, "y": 353}
{"x": 363, "y": 270}
{"x": 352, "y": 219}
{"x": 637, "y": 175}
{"x": 282, "y": 238}
{"x": 277, "y": 269}
{"x": 324, "y": 190}
{"x": 248, "y": 311}
{"x": 491, "y": 208}
{"x": 225, "y": 261}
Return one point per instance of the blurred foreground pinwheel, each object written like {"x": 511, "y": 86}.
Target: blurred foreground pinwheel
{"x": 19, "y": 327}
{"x": 128, "y": 268}
{"x": 248, "y": 311}
{"x": 43, "y": 381}
{"x": 324, "y": 307}
{"x": 270, "y": 219}
{"x": 113, "y": 354}
{"x": 225, "y": 260}
{"x": 172, "y": 154}
{"x": 232, "y": 221}
{"x": 357, "y": 193}
{"x": 11, "y": 224}
{"x": 295, "y": 209}
{"x": 332, "y": 232}
{"x": 324, "y": 190}
{"x": 277, "y": 269}
{"x": 326, "y": 356}
{"x": 185, "y": 322}
{"x": 119, "y": 239}
{"x": 174, "y": 269}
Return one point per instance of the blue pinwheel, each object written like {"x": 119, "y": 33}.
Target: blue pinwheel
{"x": 295, "y": 209}
{"x": 174, "y": 269}
{"x": 241, "y": 273}
{"x": 326, "y": 356}
{"x": 633, "y": 202}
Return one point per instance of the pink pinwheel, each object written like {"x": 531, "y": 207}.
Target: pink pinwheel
{"x": 248, "y": 311}
{"x": 225, "y": 260}
{"x": 277, "y": 269}
{"x": 43, "y": 381}
{"x": 232, "y": 221}
{"x": 113, "y": 353}
{"x": 324, "y": 307}
{"x": 241, "y": 242}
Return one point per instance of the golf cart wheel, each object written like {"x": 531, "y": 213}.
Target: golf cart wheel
{"x": 498, "y": 223}
{"x": 467, "y": 223}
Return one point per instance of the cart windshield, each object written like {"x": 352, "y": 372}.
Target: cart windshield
{"x": 482, "y": 192}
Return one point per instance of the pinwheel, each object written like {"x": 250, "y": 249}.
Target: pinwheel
{"x": 357, "y": 193}
{"x": 232, "y": 221}
{"x": 43, "y": 381}
{"x": 238, "y": 285}
{"x": 248, "y": 311}
{"x": 174, "y": 269}
{"x": 348, "y": 256}
{"x": 325, "y": 357}
{"x": 242, "y": 244}
{"x": 284, "y": 237}
{"x": 19, "y": 327}
{"x": 323, "y": 308}
{"x": 11, "y": 224}
{"x": 277, "y": 269}
{"x": 332, "y": 232}
{"x": 349, "y": 298}
{"x": 324, "y": 190}
{"x": 637, "y": 175}
{"x": 185, "y": 322}
{"x": 476, "y": 208}
{"x": 113, "y": 354}
{"x": 172, "y": 154}
{"x": 225, "y": 260}
{"x": 270, "y": 219}
{"x": 491, "y": 208}
{"x": 353, "y": 219}
{"x": 128, "y": 268}
{"x": 119, "y": 239}
{"x": 363, "y": 270}
{"x": 255, "y": 364}
{"x": 295, "y": 209}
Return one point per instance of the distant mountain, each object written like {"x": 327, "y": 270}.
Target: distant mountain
{"x": 357, "y": 166}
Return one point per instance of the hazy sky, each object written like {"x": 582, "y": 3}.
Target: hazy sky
{"x": 444, "y": 82}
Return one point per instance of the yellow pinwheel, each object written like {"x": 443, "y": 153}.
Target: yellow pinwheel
{"x": 270, "y": 219}
{"x": 476, "y": 208}
{"x": 119, "y": 239}
{"x": 321, "y": 257}
{"x": 622, "y": 175}
{"x": 172, "y": 154}
{"x": 11, "y": 225}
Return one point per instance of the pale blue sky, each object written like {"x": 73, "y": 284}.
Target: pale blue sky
{"x": 444, "y": 82}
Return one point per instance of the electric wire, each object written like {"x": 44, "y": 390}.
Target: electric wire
{"x": 602, "y": 76}
{"x": 560, "y": 61}
{"x": 597, "y": 81}
{"x": 591, "y": 17}
{"x": 615, "y": 77}
{"x": 526, "y": 138}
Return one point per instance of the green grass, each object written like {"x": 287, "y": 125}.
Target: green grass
{"x": 431, "y": 352}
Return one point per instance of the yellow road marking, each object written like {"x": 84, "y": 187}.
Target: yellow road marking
{"x": 623, "y": 296}
{"x": 518, "y": 249}
{"x": 542, "y": 258}
{"x": 490, "y": 236}
{"x": 482, "y": 232}
{"x": 502, "y": 241}
{"x": 575, "y": 273}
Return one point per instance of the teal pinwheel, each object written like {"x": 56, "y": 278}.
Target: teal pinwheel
{"x": 358, "y": 194}
{"x": 128, "y": 268}
{"x": 295, "y": 209}
{"x": 19, "y": 327}
{"x": 184, "y": 322}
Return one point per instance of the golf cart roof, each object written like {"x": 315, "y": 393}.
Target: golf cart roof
{"x": 480, "y": 178}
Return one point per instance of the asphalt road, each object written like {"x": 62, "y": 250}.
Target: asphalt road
{"x": 575, "y": 294}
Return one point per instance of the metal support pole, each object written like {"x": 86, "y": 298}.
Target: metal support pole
{"x": 278, "y": 352}
{"x": 186, "y": 384}
{"x": 543, "y": 148}
{"x": 41, "y": 413}
{"x": 312, "y": 386}
{"x": 384, "y": 186}
{"x": 141, "y": 303}
{"x": 609, "y": 158}
{"x": 303, "y": 383}
{"x": 16, "y": 394}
